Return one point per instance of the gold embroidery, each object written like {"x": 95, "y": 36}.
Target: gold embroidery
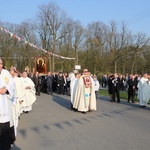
{"x": 6, "y": 80}
{"x": 87, "y": 81}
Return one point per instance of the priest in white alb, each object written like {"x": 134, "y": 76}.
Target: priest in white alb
{"x": 7, "y": 135}
{"x": 85, "y": 99}
{"x": 73, "y": 86}
{"x": 144, "y": 90}
{"x": 18, "y": 98}
{"x": 29, "y": 92}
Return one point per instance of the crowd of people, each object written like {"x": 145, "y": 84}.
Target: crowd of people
{"x": 133, "y": 84}
{"x": 79, "y": 86}
{"x": 18, "y": 93}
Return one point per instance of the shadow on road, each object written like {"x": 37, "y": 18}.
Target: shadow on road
{"x": 15, "y": 147}
{"x": 62, "y": 101}
{"x": 133, "y": 106}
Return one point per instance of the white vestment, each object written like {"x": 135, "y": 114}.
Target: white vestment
{"x": 85, "y": 99}
{"x": 143, "y": 91}
{"x": 6, "y": 113}
{"x": 18, "y": 96}
{"x": 70, "y": 78}
{"x": 29, "y": 94}
{"x": 97, "y": 85}
{"x": 73, "y": 87}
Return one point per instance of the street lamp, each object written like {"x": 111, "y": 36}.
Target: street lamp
{"x": 76, "y": 55}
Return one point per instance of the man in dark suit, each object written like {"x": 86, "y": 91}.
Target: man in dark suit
{"x": 49, "y": 81}
{"x": 54, "y": 85}
{"x": 131, "y": 88}
{"x": 60, "y": 83}
{"x": 37, "y": 82}
{"x": 116, "y": 88}
{"x": 110, "y": 86}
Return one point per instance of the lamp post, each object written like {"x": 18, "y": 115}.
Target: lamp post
{"x": 76, "y": 55}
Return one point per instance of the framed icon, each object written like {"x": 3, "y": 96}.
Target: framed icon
{"x": 40, "y": 64}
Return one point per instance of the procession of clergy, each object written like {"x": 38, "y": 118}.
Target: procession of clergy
{"x": 17, "y": 94}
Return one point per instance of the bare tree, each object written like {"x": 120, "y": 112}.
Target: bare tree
{"x": 117, "y": 41}
{"x": 26, "y": 52}
{"x": 95, "y": 44}
{"x": 50, "y": 20}
{"x": 139, "y": 42}
{"x": 8, "y": 45}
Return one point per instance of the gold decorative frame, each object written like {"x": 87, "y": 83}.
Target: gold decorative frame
{"x": 40, "y": 64}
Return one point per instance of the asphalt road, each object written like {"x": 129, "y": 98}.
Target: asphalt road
{"x": 51, "y": 125}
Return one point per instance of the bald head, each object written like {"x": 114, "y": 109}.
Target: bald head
{"x": 145, "y": 75}
{"x": 85, "y": 71}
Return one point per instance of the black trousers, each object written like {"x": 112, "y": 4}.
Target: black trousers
{"x": 131, "y": 95}
{"x": 7, "y": 136}
{"x": 96, "y": 94}
{"x": 38, "y": 89}
{"x": 61, "y": 89}
{"x": 49, "y": 88}
{"x": 116, "y": 93}
{"x": 54, "y": 86}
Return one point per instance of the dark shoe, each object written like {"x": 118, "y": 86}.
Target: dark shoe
{"x": 71, "y": 106}
{"x": 26, "y": 112}
{"x": 75, "y": 110}
{"x": 142, "y": 106}
{"x": 83, "y": 112}
{"x": 113, "y": 100}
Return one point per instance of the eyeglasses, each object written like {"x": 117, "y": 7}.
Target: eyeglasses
{"x": 85, "y": 71}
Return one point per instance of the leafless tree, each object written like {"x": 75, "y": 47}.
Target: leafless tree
{"x": 95, "y": 43}
{"x": 50, "y": 20}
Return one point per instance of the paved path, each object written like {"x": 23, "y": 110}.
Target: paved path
{"x": 53, "y": 126}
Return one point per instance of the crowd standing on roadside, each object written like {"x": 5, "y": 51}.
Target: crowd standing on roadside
{"x": 133, "y": 84}
{"x": 18, "y": 93}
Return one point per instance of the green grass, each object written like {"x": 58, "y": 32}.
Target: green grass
{"x": 123, "y": 95}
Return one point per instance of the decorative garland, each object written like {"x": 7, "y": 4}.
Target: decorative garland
{"x": 32, "y": 45}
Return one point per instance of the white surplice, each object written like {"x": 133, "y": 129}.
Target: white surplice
{"x": 18, "y": 96}
{"x": 143, "y": 91}
{"x": 29, "y": 94}
{"x": 6, "y": 113}
{"x": 73, "y": 87}
{"x": 84, "y": 99}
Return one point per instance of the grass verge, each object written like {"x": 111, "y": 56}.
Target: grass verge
{"x": 123, "y": 94}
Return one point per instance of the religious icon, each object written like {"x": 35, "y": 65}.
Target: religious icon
{"x": 87, "y": 81}
{"x": 41, "y": 64}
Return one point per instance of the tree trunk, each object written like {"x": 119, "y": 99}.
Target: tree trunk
{"x": 115, "y": 66}
{"x": 133, "y": 62}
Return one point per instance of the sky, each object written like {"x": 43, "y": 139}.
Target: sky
{"x": 136, "y": 13}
